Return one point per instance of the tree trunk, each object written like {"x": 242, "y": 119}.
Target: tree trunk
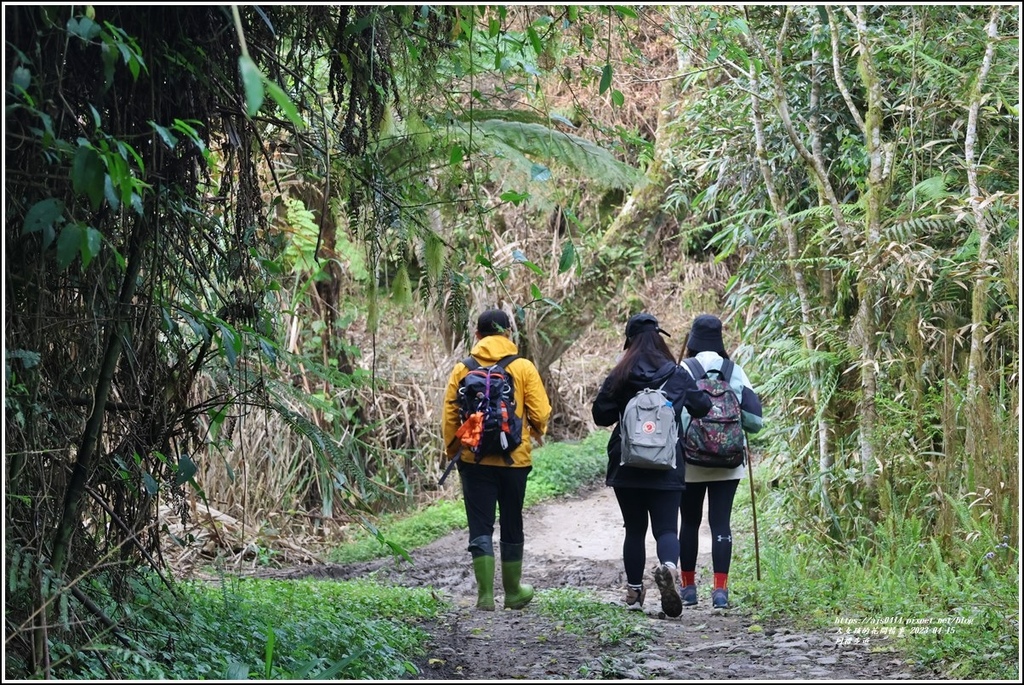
{"x": 90, "y": 442}
{"x": 975, "y": 389}
{"x": 799, "y": 279}
{"x": 866, "y": 324}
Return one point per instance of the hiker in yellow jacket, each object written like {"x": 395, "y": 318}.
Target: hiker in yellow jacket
{"x": 495, "y": 481}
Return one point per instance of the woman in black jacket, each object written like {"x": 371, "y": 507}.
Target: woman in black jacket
{"x": 645, "y": 494}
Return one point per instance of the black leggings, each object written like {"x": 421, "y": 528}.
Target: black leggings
{"x": 720, "y": 495}
{"x": 637, "y": 505}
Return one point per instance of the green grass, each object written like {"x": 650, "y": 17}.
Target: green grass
{"x": 558, "y": 468}
{"x": 580, "y": 612}
{"x": 270, "y": 629}
{"x": 958, "y": 604}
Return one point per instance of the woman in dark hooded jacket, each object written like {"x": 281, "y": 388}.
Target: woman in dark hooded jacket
{"x": 647, "y": 494}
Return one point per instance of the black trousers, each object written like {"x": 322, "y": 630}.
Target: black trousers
{"x": 487, "y": 490}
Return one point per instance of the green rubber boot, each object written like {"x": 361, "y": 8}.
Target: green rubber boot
{"x": 482, "y": 550}
{"x": 517, "y": 595}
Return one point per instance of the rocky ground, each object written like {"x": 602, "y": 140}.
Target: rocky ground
{"x": 576, "y": 542}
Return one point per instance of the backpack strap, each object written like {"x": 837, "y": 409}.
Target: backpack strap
{"x": 697, "y": 371}
{"x": 506, "y": 360}
{"x": 726, "y": 370}
{"x": 694, "y": 367}
{"x": 472, "y": 364}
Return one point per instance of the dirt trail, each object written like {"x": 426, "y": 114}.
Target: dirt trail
{"x": 576, "y": 542}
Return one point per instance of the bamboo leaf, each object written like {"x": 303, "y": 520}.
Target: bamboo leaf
{"x": 520, "y": 258}
{"x": 531, "y": 33}
{"x": 232, "y": 343}
{"x": 169, "y": 138}
{"x": 252, "y": 82}
{"x": 285, "y": 103}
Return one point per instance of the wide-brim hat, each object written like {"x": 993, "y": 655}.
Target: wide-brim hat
{"x": 641, "y": 322}
{"x": 706, "y": 335}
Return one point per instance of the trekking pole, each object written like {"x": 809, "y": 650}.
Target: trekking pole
{"x": 753, "y": 509}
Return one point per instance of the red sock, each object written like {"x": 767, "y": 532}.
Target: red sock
{"x": 721, "y": 581}
{"x": 688, "y": 578}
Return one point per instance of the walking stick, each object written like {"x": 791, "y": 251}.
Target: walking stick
{"x": 753, "y": 508}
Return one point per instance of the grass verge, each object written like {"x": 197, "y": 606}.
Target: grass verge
{"x": 243, "y": 628}
{"x": 953, "y": 610}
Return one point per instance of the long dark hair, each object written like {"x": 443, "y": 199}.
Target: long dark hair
{"x": 647, "y": 344}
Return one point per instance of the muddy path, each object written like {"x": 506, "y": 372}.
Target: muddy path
{"x": 575, "y": 542}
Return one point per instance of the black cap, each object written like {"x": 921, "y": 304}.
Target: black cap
{"x": 706, "y": 335}
{"x": 641, "y": 322}
{"x": 493, "y": 322}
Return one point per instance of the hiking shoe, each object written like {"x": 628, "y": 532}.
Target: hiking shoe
{"x": 635, "y": 597}
{"x": 667, "y": 579}
{"x": 720, "y": 599}
{"x": 688, "y": 593}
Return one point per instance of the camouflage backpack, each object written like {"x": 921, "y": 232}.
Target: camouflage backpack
{"x": 716, "y": 440}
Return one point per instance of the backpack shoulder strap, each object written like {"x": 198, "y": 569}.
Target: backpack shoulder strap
{"x": 506, "y": 360}
{"x": 726, "y": 370}
{"x": 471, "y": 363}
{"x": 696, "y": 370}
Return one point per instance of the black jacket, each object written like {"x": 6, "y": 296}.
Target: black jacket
{"x": 608, "y": 408}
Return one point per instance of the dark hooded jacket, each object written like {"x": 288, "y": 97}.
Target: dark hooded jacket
{"x": 608, "y": 408}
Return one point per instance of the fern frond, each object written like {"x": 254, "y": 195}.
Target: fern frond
{"x": 455, "y": 306}
{"x": 919, "y": 228}
{"x": 433, "y": 257}
{"x": 932, "y": 188}
{"x": 522, "y": 142}
{"x": 336, "y": 467}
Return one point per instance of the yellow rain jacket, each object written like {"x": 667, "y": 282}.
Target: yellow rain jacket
{"x": 532, "y": 404}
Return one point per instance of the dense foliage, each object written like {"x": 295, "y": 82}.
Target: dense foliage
{"x": 213, "y": 211}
